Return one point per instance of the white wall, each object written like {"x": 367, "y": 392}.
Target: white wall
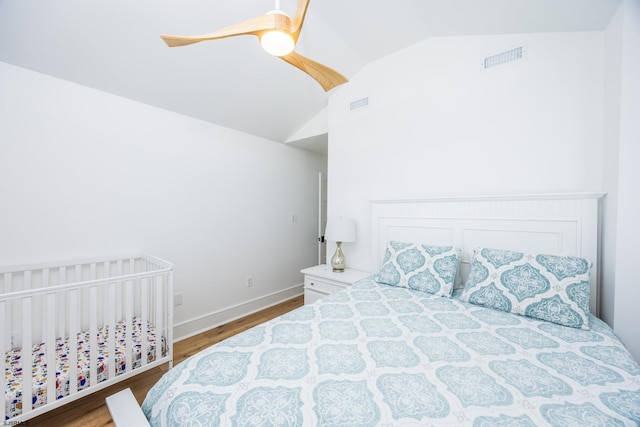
{"x": 563, "y": 120}
{"x": 438, "y": 124}
{"x": 627, "y": 290}
{"x": 610, "y": 158}
{"x": 85, "y": 173}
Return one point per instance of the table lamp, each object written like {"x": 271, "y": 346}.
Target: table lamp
{"x": 340, "y": 230}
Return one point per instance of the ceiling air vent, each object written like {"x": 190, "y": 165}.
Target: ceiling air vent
{"x": 360, "y": 103}
{"x": 505, "y": 57}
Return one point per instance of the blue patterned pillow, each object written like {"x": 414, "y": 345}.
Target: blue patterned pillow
{"x": 424, "y": 268}
{"x": 548, "y": 287}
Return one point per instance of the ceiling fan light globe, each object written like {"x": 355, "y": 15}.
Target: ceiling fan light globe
{"x": 277, "y": 43}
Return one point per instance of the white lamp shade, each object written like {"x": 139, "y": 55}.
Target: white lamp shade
{"x": 341, "y": 230}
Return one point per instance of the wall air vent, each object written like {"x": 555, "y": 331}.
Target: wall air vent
{"x": 360, "y": 103}
{"x": 505, "y": 57}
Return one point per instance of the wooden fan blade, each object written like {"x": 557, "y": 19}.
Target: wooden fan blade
{"x": 327, "y": 77}
{"x": 298, "y": 19}
{"x": 255, "y": 26}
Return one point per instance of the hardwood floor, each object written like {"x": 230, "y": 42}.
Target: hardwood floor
{"x": 91, "y": 411}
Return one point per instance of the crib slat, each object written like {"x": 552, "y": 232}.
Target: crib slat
{"x": 61, "y": 310}
{"x": 93, "y": 335}
{"x": 8, "y": 310}
{"x": 64, "y": 307}
{"x": 27, "y": 356}
{"x": 119, "y": 305}
{"x": 27, "y": 346}
{"x": 144, "y": 317}
{"x": 168, "y": 320}
{"x": 111, "y": 327}
{"x": 74, "y": 328}
{"x": 3, "y": 348}
{"x": 159, "y": 315}
{"x": 44, "y": 312}
{"x": 129, "y": 326}
{"x": 104, "y": 322}
{"x": 51, "y": 348}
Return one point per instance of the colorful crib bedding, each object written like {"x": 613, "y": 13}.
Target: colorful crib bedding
{"x": 14, "y": 363}
{"x": 379, "y": 355}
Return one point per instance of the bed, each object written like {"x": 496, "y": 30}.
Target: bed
{"x": 478, "y": 312}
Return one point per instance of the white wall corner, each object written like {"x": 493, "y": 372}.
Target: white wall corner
{"x": 627, "y": 293}
{"x": 610, "y": 160}
{"x": 318, "y": 125}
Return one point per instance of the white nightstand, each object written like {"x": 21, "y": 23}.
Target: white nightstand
{"x": 320, "y": 281}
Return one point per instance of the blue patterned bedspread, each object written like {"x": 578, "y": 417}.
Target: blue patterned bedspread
{"x": 375, "y": 355}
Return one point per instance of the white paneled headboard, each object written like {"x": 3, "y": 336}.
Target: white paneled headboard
{"x": 566, "y": 224}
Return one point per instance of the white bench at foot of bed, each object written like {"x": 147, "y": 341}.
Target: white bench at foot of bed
{"x": 125, "y": 411}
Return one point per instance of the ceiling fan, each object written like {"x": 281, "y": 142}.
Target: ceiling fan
{"x": 278, "y": 34}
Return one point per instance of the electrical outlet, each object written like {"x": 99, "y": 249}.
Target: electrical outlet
{"x": 294, "y": 217}
{"x": 249, "y": 281}
{"x": 177, "y": 299}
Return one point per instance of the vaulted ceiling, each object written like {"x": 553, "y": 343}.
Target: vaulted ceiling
{"x": 114, "y": 47}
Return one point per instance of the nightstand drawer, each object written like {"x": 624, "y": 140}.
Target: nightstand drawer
{"x": 321, "y": 286}
{"x": 320, "y": 281}
{"x": 310, "y": 296}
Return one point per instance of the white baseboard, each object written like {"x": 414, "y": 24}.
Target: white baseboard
{"x": 214, "y": 319}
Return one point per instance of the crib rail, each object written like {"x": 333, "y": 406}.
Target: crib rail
{"x": 41, "y": 305}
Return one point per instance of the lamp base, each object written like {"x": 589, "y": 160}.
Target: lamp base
{"x": 338, "y": 261}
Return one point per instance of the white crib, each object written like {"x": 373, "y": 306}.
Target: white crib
{"x": 65, "y": 312}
